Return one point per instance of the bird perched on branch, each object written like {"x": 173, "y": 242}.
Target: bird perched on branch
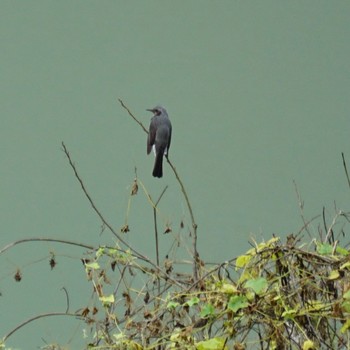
{"x": 159, "y": 138}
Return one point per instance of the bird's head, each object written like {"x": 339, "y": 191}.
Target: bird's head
{"x": 158, "y": 110}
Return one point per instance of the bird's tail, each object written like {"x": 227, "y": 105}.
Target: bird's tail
{"x": 158, "y": 165}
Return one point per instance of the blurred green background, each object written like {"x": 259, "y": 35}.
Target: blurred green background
{"x": 258, "y": 95}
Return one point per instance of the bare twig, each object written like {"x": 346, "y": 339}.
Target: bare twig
{"x": 106, "y": 224}
{"x": 161, "y": 195}
{"x": 330, "y": 229}
{"x": 35, "y": 239}
{"x": 194, "y": 225}
{"x": 67, "y": 298}
{"x": 345, "y": 168}
{"x": 155, "y": 222}
{"x": 154, "y": 206}
{"x": 301, "y": 207}
{"x": 132, "y": 116}
{"x": 8, "y": 335}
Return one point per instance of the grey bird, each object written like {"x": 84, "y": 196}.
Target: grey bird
{"x": 159, "y": 138}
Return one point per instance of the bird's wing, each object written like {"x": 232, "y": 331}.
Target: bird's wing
{"x": 151, "y": 136}
{"x": 169, "y": 138}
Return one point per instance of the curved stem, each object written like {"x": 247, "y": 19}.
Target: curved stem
{"x": 36, "y": 318}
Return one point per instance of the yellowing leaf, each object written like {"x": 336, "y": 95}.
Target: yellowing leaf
{"x": 342, "y": 251}
{"x": 228, "y": 288}
{"x": 308, "y": 345}
{"x": 242, "y": 261}
{"x": 345, "y": 266}
{"x": 192, "y": 301}
{"x": 211, "y": 344}
{"x": 273, "y": 240}
{"x": 270, "y": 243}
{"x": 345, "y": 327}
{"x": 346, "y": 306}
{"x": 100, "y": 251}
{"x": 244, "y": 276}
{"x": 288, "y": 314}
{"x": 315, "y": 305}
{"x": 92, "y": 265}
{"x": 107, "y": 299}
{"x": 334, "y": 275}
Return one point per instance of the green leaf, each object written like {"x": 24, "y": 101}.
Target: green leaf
{"x": 113, "y": 252}
{"x": 246, "y": 275}
{"x": 346, "y": 295}
{"x": 211, "y": 344}
{"x": 346, "y": 306}
{"x": 242, "y": 261}
{"x": 259, "y": 285}
{"x": 192, "y": 301}
{"x": 100, "y": 251}
{"x": 315, "y": 305}
{"x": 207, "y": 310}
{"x": 93, "y": 265}
{"x": 342, "y": 251}
{"x": 289, "y": 314}
{"x": 172, "y": 304}
{"x": 237, "y": 302}
{"x": 266, "y": 245}
{"x": 345, "y": 327}
{"x": 106, "y": 300}
{"x": 324, "y": 248}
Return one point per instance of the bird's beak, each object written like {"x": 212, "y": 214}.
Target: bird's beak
{"x": 150, "y": 110}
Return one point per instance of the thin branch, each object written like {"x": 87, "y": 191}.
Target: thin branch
{"x": 306, "y": 224}
{"x": 330, "y": 230}
{"x": 92, "y": 202}
{"x": 156, "y": 236}
{"x": 65, "y": 150}
{"x": 105, "y": 223}
{"x": 67, "y": 298}
{"x": 156, "y": 233}
{"x": 25, "y": 240}
{"x": 8, "y": 335}
{"x": 155, "y": 222}
{"x": 345, "y": 168}
{"x": 132, "y": 116}
{"x": 324, "y": 221}
{"x": 194, "y": 225}
{"x": 161, "y": 195}
{"x": 154, "y": 206}
{"x": 301, "y": 207}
